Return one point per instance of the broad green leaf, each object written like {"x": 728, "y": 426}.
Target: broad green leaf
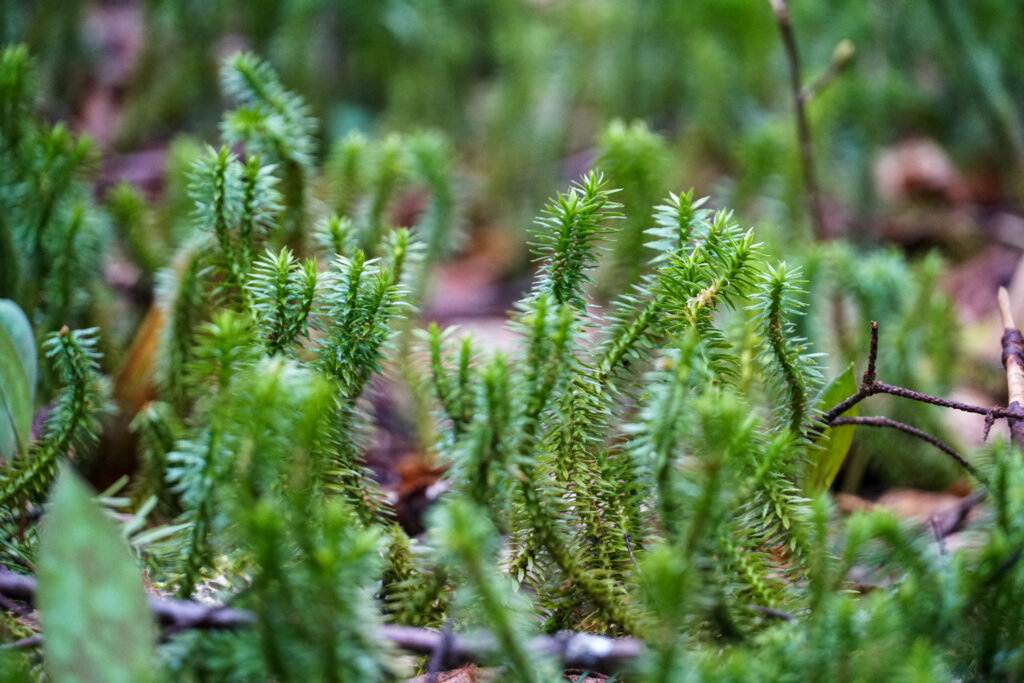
{"x": 96, "y": 623}
{"x": 831, "y": 446}
{"x": 15, "y": 400}
{"x": 18, "y": 328}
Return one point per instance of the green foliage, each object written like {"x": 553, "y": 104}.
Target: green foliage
{"x": 92, "y": 606}
{"x": 469, "y": 548}
{"x": 282, "y": 294}
{"x": 884, "y": 287}
{"x": 180, "y": 298}
{"x": 644, "y": 471}
{"x": 129, "y": 212}
{"x": 51, "y": 233}
{"x": 565, "y": 239}
{"x": 361, "y": 301}
{"x": 73, "y": 423}
{"x": 235, "y": 202}
{"x": 273, "y": 121}
{"x": 275, "y": 125}
{"x": 778, "y": 300}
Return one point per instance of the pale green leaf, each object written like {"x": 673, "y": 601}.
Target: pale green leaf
{"x": 15, "y": 400}
{"x": 18, "y": 328}
{"x": 831, "y": 446}
{"x": 96, "y": 622}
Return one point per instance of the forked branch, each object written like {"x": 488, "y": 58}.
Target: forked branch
{"x": 1013, "y": 362}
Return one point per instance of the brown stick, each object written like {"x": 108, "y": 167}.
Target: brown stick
{"x": 872, "y": 421}
{"x": 574, "y": 650}
{"x": 582, "y": 650}
{"x": 181, "y": 614}
{"x": 841, "y": 58}
{"x": 1013, "y": 363}
{"x": 803, "y": 129}
{"x": 870, "y": 386}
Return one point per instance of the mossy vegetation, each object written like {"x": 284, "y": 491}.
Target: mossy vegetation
{"x": 647, "y": 459}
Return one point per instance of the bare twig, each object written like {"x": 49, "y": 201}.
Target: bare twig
{"x": 441, "y": 655}
{"x": 598, "y": 653}
{"x": 913, "y": 431}
{"x": 947, "y": 520}
{"x": 181, "y": 614}
{"x": 870, "y": 374}
{"x": 841, "y": 58}
{"x": 803, "y": 129}
{"x": 13, "y": 607}
{"x": 629, "y": 549}
{"x": 990, "y": 419}
{"x": 24, "y": 643}
{"x": 584, "y": 650}
{"x": 772, "y": 612}
{"x": 1013, "y": 361}
{"x": 940, "y": 539}
{"x": 883, "y": 388}
{"x": 871, "y": 386}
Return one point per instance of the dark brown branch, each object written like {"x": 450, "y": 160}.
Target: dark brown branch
{"x": 441, "y": 655}
{"x": 24, "y": 643}
{"x": 584, "y": 650}
{"x": 913, "y": 431}
{"x": 883, "y": 388}
{"x": 947, "y": 520}
{"x": 870, "y": 386}
{"x": 803, "y": 129}
{"x": 629, "y": 549}
{"x": 869, "y": 374}
{"x": 14, "y": 607}
{"x": 183, "y": 614}
{"x": 169, "y": 613}
{"x": 772, "y": 612}
{"x": 1014, "y": 412}
{"x": 1013, "y": 361}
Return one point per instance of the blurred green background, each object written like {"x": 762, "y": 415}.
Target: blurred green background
{"x": 524, "y": 87}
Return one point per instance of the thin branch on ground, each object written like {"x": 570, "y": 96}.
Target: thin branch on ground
{"x": 440, "y": 655}
{"x": 772, "y": 612}
{"x": 950, "y": 519}
{"x": 24, "y": 643}
{"x": 598, "y": 653}
{"x": 575, "y": 650}
{"x": 169, "y": 613}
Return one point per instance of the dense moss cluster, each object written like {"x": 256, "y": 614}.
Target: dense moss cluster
{"x": 648, "y": 464}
